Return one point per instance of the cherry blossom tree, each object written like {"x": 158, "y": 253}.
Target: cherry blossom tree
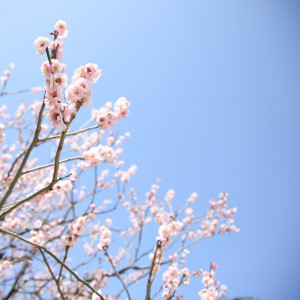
{"x": 62, "y": 237}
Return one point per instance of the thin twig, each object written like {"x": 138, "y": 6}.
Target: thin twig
{"x": 15, "y": 92}
{"x": 53, "y": 276}
{"x": 52, "y": 137}
{"x": 52, "y": 164}
{"x": 118, "y": 275}
{"x": 64, "y": 260}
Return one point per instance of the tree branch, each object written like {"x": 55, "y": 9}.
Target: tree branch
{"x": 118, "y": 275}
{"x": 26, "y": 156}
{"x": 53, "y": 256}
{"x": 53, "y": 276}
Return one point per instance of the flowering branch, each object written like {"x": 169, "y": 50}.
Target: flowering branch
{"x": 26, "y": 156}
{"x": 45, "y": 204}
{"x": 53, "y": 256}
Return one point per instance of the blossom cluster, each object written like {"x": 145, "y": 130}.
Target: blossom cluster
{"x": 75, "y": 231}
{"x": 166, "y": 231}
{"x": 107, "y": 118}
{"x": 213, "y": 290}
{"x": 95, "y": 155}
{"x": 2, "y": 134}
{"x": 105, "y": 239}
{"x": 6, "y": 73}
{"x": 78, "y": 93}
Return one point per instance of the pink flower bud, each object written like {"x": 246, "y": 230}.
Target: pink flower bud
{"x": 213, "y": 265}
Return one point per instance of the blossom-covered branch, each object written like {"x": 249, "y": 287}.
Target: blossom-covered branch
{"x": 66, "y": 201}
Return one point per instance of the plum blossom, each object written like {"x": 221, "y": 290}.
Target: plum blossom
{"x": 37, "y": 237}
{"x": 90, "y": 71}
{"x": 56, "y": 119}
{"x": 36, "y": 89}
{"x": 172, "y": 280}
{"x": 2, "y": 134}
{"x": 166, "y": 231}
{"x": 121, "y": 107}
{"x": 57, "y": 47}
{"x": 107, "y": 118}
{"x": 105, "y": 239}
{"x": 61, "y": 28}
{"x": 40, "y": 45}
{"x": 48, "y": 70}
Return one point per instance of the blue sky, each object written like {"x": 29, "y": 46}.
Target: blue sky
{"x": 214, "y": 87}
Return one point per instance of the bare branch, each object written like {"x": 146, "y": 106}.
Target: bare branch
{"x": 118, "y": 275}
{"x": 56, "y": 136}
{"x": 53, "y": 276}
{"x": 52, "y": 164}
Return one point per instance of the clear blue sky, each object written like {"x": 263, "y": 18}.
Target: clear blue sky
{"x": 214, "y": 87}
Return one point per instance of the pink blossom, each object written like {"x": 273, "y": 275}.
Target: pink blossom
{"x": 2, "y": 134}
{"x": 170, "y": 195}
{"x": 172, "y": 279}
{"x": 54, "y": 95}
{"x": 38, "y": 224}
{"x": 56, "y": 119}
{"x": 20, "y": 111}
{"x": 106, "y": 119}
{"x": 58, "y": 47}
{"x": 68, "y": 111}
{"x": 4, "y": 79}
{"x": 55, "y": 67}
{"x": 88, "y": 250}
{"x": 132, "y": 170}
{"x": 92, "y": 216}
{"x": 40, "y": 45}
{"x": 61, "y": 28}
{"x": 121, "y": 107}
{"x": 108, "y": 222}
{"x": 86, "y": 100}
{"x": 37, "y": 237}
{"x": 36, "y": 89}
{"x": 85, "y": 84}
{"x": 74, "y": 93}
{"x": 60, "y": 80}
{"x": 7, "y": 73}
{"x": 105, "y": 238}
{"x": 90, "y": 72}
